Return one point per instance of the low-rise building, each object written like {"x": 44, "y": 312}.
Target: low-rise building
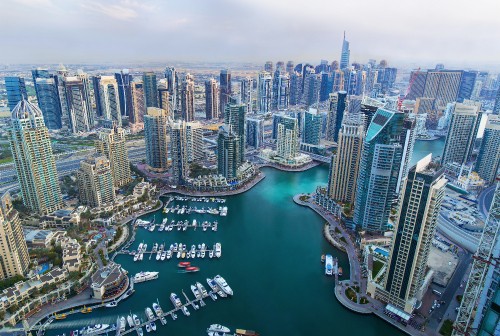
{"x": 109, "y": 281}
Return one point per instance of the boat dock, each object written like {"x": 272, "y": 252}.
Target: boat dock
{"x": 208, "y": 252}
{"x": 181, "y": 226}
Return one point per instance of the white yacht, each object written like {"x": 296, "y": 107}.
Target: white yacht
{"x": 130, "y": 321}
{"x": 157, "y": 309}
{"x": 223, "y": 285}
{"x": 202, "y": 289}
{"x": 163, "y": 255}
{"x": 149, "y": 314}
{"x": 218, "y": 328}
{"x": 175, "y": 300}
{"x": 136, "y": 320}
{"x": 94, "y": 329}
{"x": 145, "y": 276}
{"x": 329, "y": 264}
{"x": 123, "y": 324}
{"x": 218, "y": 250}
{"x": 195, "y": 291}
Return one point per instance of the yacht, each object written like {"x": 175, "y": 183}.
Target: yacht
{"x": 194, "y": 222}
{"x": 175, "y": 300}
{"x": 163, "y": 255}
{"x": 152, "y": 228}
{"x": 195, "y": 291}
{"x": 158, "y": 255}
{"x": 328, "y": 264}
{"x": 211, "y": 253}
{"x": 169, "y": 254}
{"x": 193, "y": 253}
{"x": 112, "y": 304}
{"x": 163, "y": 320}
{"x": 217, "y": 328}
{"x": 130, "y": 321}
{"x": 149, "y": 314}
{"x": 153, "y": 325}
{"x": 148, "y": 327}
{"x": 140, "y": 332}
{"x": 202, "y": 289}
{"x": 94, "y": 329}
{"x": 213, "y": 296}
{"x": 185, "y": 311}
{"x": 223, "y": 284}
{"x": 212, "y": 284}
{"x": 157, "y": 309}
{"x": 141, "y": 256}
{"x": 218, "y": 250}
{"x": 175, "y": 247}
{"x": 136, "y": 320}
{"x": 123, "y": 324}
{"x": 145, "y": 276}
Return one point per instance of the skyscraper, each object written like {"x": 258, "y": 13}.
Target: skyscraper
{"x": 138, "y": 107}
{"x": 81, "y": 115}
{"x": 289, "y": 67}
{"x": 173, "y": 88}
{"x": 379, "y": 170}
{"x": 312, "y": 85}
{"x": 194, "y": 141}
{"x": 155, "y": 134}
{"x": 13, "y": 249}
{"x": 33, "y": 159}
{"x": 287, "y": 144}
{"x": 110, "y": 100}
{"x": 295, "y": 88}
{"x": 211, "y": 99}
{"x": 225, "y": 89}
{"x": 312, "y": 127}
{"x": 179, "y": 151}
{"x": 345, "y": 163}
{"x": 113, "y": 145}
{"x": 264, "y": 92}
{"x": 336, "y": 112}
{"x": 416, "y": 223}
{"x": 496, "y": 107}
{"x": 467, "y": 83}
{"x": 187, "y": 98}
{"x": 234, "y": 118}
{"x": 488, "y": 159}
{"x": 281, "y": 90}
{"x": 255, "y": 132}
{"x": 124, "y": 81}
{"x": 16, "y": 91}
{"x": 268, "y": 67}
{"x": 95, "y": 181}
{"x": 48, "y": 100}
{"x": 150, "y": 89}
{"x": 344, "y": 56}
{"x": 246, "y": 93}
{"x": 164, "y": 101}
{"x": 228, "y": 153}
{"x": 462, "y": 133}
{"x": 96, "y": 84}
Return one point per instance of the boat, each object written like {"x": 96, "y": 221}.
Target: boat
{"x": 74, "y": 333}
{"x": 218, "y": 328}
{"x": 141, "y": 256}
{"x": 174, "y": 316}
{"x": 94, "y": 329}
{"x": 213, "y": 296}
{"x": 329, "y": 264}
{"x": 322, "y": 258}
{"x": 194, "y": 222}
{"x": 153, "y": 325}
{"x": 148, "y": 327}
{"x": 178, "y": 254}
{"x": 130, "y": 321}
{"x": 123, "y": 324}
{"x": 198, "y": 254}
{"x": 149, "y": 314}
{"x": 157, "y": 309}
{"x": 136, "y": 257}
{"x": 212, "y": 284}
{"x": 196, "y": 291}
{"x": 85, "y": 310}
{"x": 192, "y": 253}
{"x": 183, "y": 255}
{"x": 60, "y": 316}
{"x": 340, "y": 271}
{"x": 185, "y": 311}
{"x": 144, "y": 276}
{"x": 158, "y": 255}
{"x": 223, "y": 285}
{"x": 218, "y": 250}
{"x": 169, "y": 254}
{"x": 152, "y": 228}
{"x": 161, "y": 228}
{"x": 136, "y": 320}
{"x": 163, "y": 255}
{"x": 140, "y": 332}
{"x": 163, "y": 320}
{"x": 191, "y": 269}
{"x": 202, "y": 254}
{"x": 202, "y": 289}
{"x": 211, "y": 253}
{"x": 175, "y": 300}
{"x": 175, "y": 247}
{"x": 243, "y": 332}
{"x": 184, "y": 264}
{"x": 223, "y": 212}
{"x": 112, "y": 304}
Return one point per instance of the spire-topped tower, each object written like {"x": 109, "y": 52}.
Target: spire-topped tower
{"x": 344, "y": 56}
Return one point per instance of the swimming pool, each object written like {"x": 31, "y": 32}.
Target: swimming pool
{"x": 381, "y": 252}
{"x": 44, "y": 268}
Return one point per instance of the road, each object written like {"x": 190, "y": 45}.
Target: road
{"x": 484, "y": 200}
{"x": 450, "y": 292}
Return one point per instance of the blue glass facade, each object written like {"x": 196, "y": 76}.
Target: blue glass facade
{"x": 16, "y": 91}
{"x": 49, "y": 102}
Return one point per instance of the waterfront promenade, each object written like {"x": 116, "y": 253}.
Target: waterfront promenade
{"x": 334, "y": 231}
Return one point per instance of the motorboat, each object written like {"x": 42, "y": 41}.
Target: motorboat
{"x": 148, "y": 328}
{"x": 175, "y": 300}
{"x": 191, "y": 269}
{"x": 211, "y": 253}
{"x": 149, "y": 314}
{"x": 218, "y": 250}
{"x": 157, "y": 309}
{"x": 153, "y": 325}
{"x": 123, "y": 324}
{"x": 136, "y": 320}
{"x": 202, "y": 289}
{"x": 169, "y": 254}
{"x": 163, "y": 255}
{"x": 185, "y": 311}
{"x": 144, "y": 276}
{"x": 184, "y": 264}
{"x": 163, "y": 320}
{"x": 90, "y": 330}
{"x": 112, "y": 304}
{"x": 218, "y": 328}
{"x": 196, "y": 291}
{"x": 130, "y": 321}
{"x": 223, "y": 285}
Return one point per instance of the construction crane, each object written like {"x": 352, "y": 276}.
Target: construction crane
{"x": 408, "y": 89}
{"x": 483, "y": 260}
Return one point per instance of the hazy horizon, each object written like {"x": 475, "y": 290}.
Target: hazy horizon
{"x": 250, "y": 31}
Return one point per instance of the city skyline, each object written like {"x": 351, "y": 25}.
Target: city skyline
{"x": 196, "y": 27}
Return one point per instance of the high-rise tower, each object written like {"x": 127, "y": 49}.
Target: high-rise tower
{"x": 488, "y": 159}
{"x": 179, "y": 151}
{"x": 33, "y": 159}
{"x": 211, "y": 99}
{"x": 344, "y": 56}
{"x": 234, "y": 118}
{"x": 124, "y": 82}
{"x": 225, "y": 89}
{"x": 109, "y": 99}
{"x": 81, "y": 115}
{"x": 155, "y": 133}
{"x": 150, "y": 89}
{"x": 16, "y": 91}
{"x": 187, "y": 98}
{"x": 228, "y": 153}
{"x": 264, "y": 92}
{"x": 95, "y": 181}
{"x": 113, "y": 145}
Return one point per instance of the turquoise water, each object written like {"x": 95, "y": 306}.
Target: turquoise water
{"x": 271, "y": 251}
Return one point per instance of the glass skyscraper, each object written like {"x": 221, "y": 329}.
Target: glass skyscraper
{"x": 150, "y": 89}
{"x": 16, "y": 91}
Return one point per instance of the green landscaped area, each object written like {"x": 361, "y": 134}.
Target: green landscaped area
{"x": 351, "y": 294}
{"x": 446, "y": 328}
{"x": 377, "y": 266}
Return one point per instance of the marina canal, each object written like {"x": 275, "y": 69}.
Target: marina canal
{"x": 271, "y": 252}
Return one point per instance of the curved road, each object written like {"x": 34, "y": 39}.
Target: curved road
{"x": 484, "y": 200}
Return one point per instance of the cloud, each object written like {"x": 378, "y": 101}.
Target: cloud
{"x": 124, "y": 10}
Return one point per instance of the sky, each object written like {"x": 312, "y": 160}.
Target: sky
{"x": 457, "y": 33}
